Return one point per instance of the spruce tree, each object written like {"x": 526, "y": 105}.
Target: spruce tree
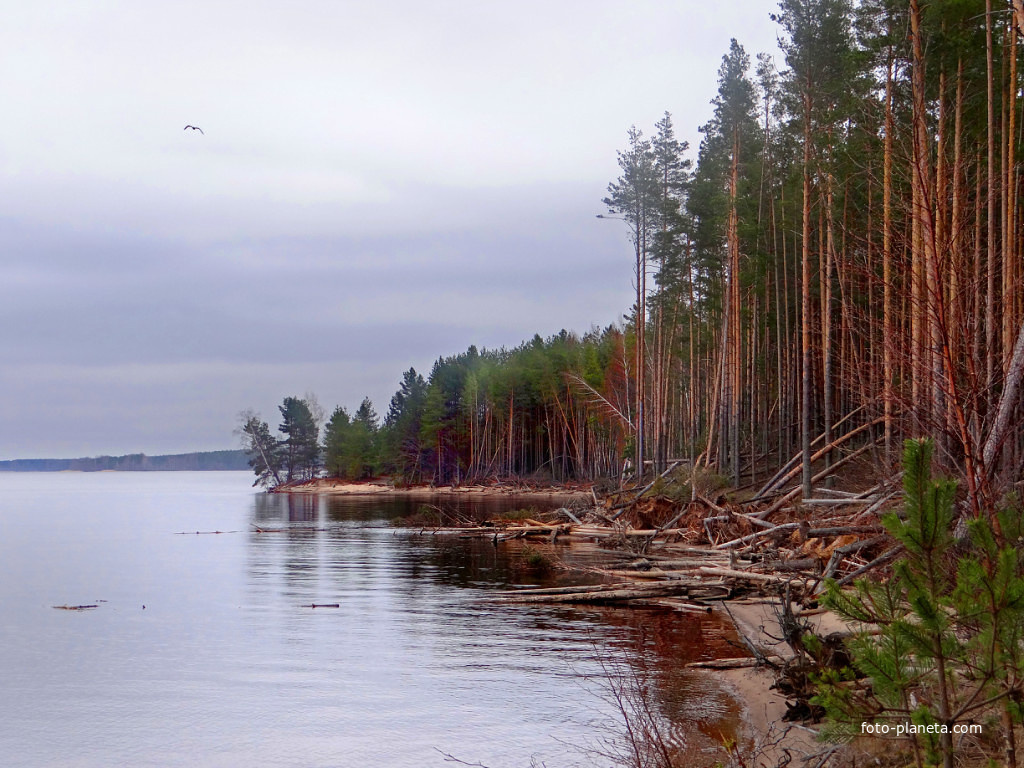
{"x": 400, "y": 435}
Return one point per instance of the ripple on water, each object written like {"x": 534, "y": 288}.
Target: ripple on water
{"x": 229, "y": 666}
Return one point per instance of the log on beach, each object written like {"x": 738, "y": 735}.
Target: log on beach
{"x": 742, "y": 663}
{"x": 729, "y": 573}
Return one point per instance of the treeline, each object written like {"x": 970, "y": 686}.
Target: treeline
{"x": 556, "y": 408}
{"x": 838, "y": 269}
{"x": 841, "y": 268}
{"x": 135, "y": 462}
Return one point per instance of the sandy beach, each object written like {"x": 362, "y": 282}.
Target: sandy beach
{"x": 766, "y": 730}
{"x": 554, "y": 494}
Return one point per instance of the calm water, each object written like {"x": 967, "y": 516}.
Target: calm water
{"x": 201, "y": 652}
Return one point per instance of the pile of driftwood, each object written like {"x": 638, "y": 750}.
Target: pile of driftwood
{"x": 774, "y": 549}
{"x": 688, "y": 553}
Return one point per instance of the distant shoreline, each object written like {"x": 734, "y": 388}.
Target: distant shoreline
{"x": 197, "y": 461}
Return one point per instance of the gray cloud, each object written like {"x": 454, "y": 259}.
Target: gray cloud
{"x": 378, "y": 185}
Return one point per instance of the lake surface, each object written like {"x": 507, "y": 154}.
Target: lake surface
{"x": 203, "y": 650}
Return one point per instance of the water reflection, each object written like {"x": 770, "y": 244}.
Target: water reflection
{"x": 274, "y": 508}
{"x": 228, "y": 665}
{"x": 302, "y": 508}
{"x": 419, "y": 598}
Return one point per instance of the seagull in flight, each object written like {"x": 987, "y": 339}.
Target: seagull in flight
{"x": 194, "y": 128}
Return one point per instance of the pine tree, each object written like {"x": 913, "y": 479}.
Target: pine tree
{"x": 264, "y": 450}
{"x": 944, "y": 643}
{"x": 635, "y": 195}
{"x": 671, "y": 238}
{"x": 724, "y": 238}
{"x": 363, "y": 447}
{"x": 336, "y": 436}
{"x": 301, "y": 444}
{"x": 400, "y": 436}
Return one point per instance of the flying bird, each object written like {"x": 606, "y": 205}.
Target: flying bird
{"x": 194, "y": 128}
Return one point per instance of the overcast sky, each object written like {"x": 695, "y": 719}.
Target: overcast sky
{"x": 378, "y": 184}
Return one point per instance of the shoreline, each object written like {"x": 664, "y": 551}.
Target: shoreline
{"x": 767, "y": 733}
{"x": 763, "y": 731}
{"x": 332, "y": 487}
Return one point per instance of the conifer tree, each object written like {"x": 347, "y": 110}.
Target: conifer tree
{"x": 400, "y": 436}
{"x": 943, "y": 643}
{"x": 635, "y": 196}
{"x": 263, "y": 449}
{"x": 301, "y": 444}
{"x": 363, "y": 445}
{"x": 336, "y": 437}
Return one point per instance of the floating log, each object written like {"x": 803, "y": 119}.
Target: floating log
{"x": 74, "y": 607}
{"x": 710, "y": 591}
{"x": 537, "y": 529}
{"x": 323, "y": 605}
{"x": 675, "y": 604}
{"x": 606, "y": 596}
{"x": 663, "y": 566}
{"x": 515, "y": 593}
{"x": 480, "y": 529}
{"x": 653, "y": 574}
{"x": 596, "y": 597}
{"x": 652, "y": 532}
{"x": 675, "y": 575}
{"x": 207, "y": 533}
{"x": 600, "y": 532}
